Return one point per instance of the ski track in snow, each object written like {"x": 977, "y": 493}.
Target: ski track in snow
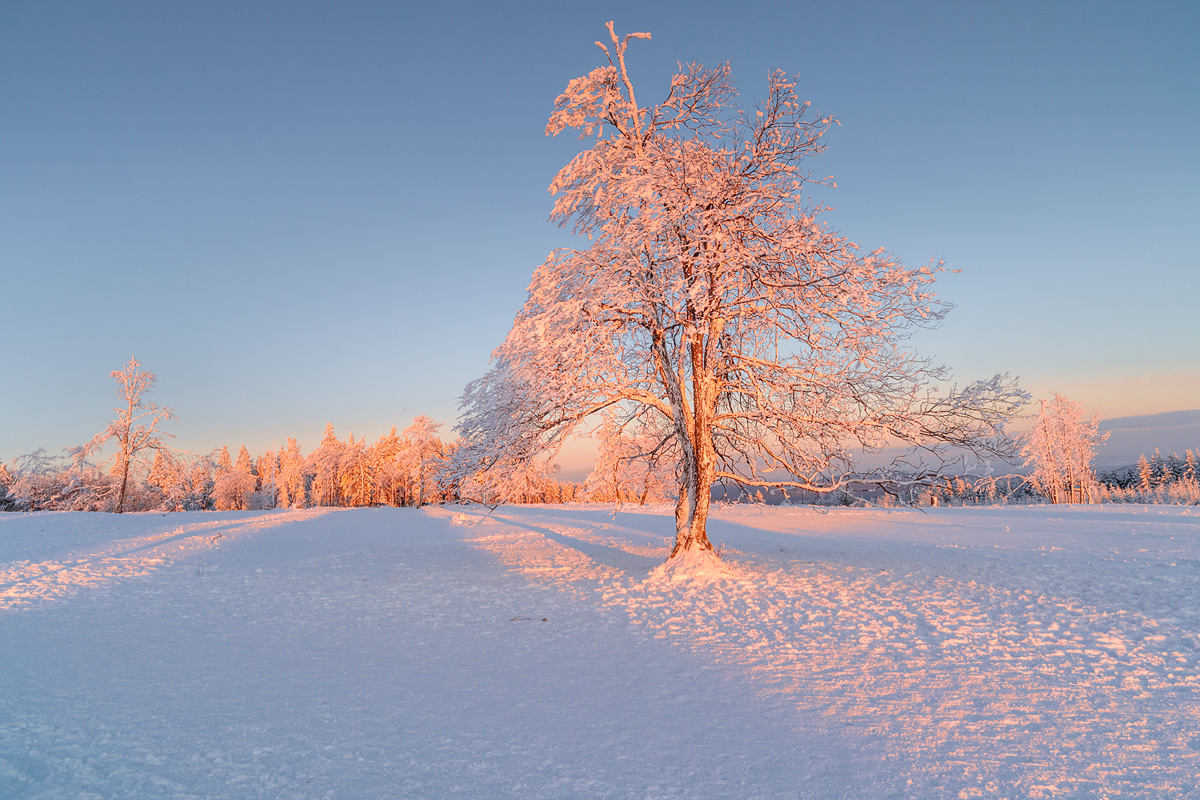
{"x": 976, "y": 670}
{"x": 25, "y": 582}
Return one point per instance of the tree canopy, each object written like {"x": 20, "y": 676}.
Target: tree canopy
{"x": 713, "y": 305}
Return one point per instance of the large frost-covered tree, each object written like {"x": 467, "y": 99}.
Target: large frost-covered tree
{"x": 714, "y": 302}
{"x": 135, "y": 430}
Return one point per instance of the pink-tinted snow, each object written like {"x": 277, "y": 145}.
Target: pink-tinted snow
{"x": 544, "y": 652}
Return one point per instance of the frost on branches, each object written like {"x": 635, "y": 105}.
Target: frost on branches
{"x": 234, "y": 482}
{"x": 1060, "y": 448}
{"x": 634, "y": 465}
{"x": 714, "y": 304}
{"x": 135, "y": 430}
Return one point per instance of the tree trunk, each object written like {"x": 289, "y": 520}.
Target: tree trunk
{"x": 421, "y": 485}
{"x": 124, "y": 483}
{"x": 691, "y": 512}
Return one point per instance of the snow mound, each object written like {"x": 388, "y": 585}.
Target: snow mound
{"x": 698, "y": 566}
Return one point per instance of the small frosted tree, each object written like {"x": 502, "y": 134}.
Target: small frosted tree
{"x": 389, "y": 479}
{"x": 267, "y": 470}
{"x": 1060, "y": 448}
{"x": 1145, "y": 480}
{"x": 7, "y": 501}
{"x": 357, "y": 473}
{"x": 245, "y": 464}
{"x": 634, "y": 464}
{"x": 1161, "y": 468}
{"x": 293, "y": 482}
{"x": 420, "y": 456}
{"x": 135, "y": 430}
{"x": 169, "y": 476}
{"x": 323, "y": 464}
{"x": 235, "y": 482}
{"x": 41, "y": 482}
{"x": 713, "y": 299}
{"x": 450, "y": 482}
{"x": 224, "y": 462}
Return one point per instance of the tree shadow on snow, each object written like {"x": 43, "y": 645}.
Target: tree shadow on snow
{"x": 631, "y": 564}
{"x": 656, "y": 526}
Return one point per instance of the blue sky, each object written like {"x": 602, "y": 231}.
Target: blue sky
{"x": 297, "y": 213}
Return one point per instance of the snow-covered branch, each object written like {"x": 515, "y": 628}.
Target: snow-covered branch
{"x": 713, "y": 298}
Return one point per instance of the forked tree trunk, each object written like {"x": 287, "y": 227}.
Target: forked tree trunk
{"x": 691, "y": 512}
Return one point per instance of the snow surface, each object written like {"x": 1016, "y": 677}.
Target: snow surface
{"x": 538, "y": 652}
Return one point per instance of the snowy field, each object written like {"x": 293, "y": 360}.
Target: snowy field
{"x": 392, "y": 653}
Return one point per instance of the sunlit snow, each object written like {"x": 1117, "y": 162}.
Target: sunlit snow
{"x": 541, "y": 652}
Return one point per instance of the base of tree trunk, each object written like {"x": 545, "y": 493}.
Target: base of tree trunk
{"x": 692, "y": 565}
{"x": 693, "y": 546}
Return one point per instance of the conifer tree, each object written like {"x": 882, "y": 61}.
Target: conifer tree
{"x": 202, "y": 482}
{"x": 323, "y": 466}
{"x": 389, "y": 480}
{"x": 293, "y": 483}
{"x": 356, "y": 473}
{"x": 234, "y": 483}
{"x": 244, "y": 462}
{"x": 268, "y": 474}
{"x": 1145, "y": 474}
{"x": 224, "y": 462}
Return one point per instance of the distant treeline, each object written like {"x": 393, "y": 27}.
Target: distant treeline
{"x": 414, "y": 468}
{"x": 1171, "y": 479}
{"x": 411, "y": 468}
{"x": 1157, "y": 479}
{"x": 406, "y": 469}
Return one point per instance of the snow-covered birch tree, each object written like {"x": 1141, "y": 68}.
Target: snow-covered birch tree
{"x": 135, "y": 430}
{"x": 715, "y": 300}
